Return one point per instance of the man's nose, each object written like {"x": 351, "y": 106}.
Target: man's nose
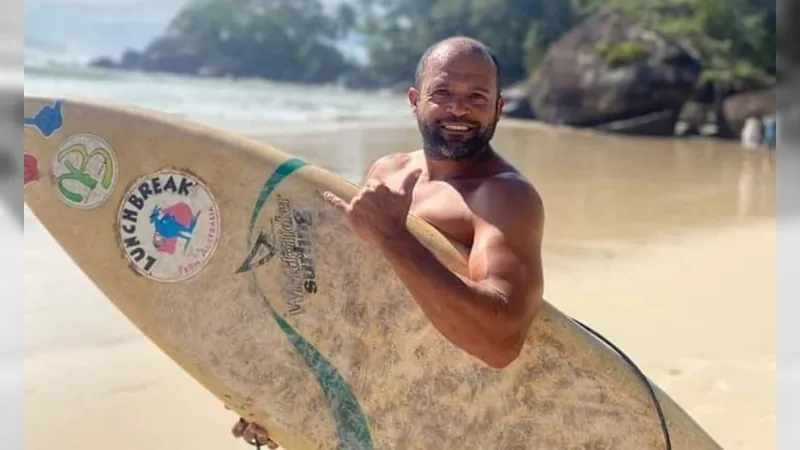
{"x": 458, "y": 107}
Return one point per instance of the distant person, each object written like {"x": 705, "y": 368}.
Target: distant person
{"x": 751, "y": 133}
{"x": 770, "y": 131}
{"x": 458, "y": 183}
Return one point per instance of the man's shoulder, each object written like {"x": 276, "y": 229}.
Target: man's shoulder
{"x": 391, "y": 163}
{"x": 509, "y": 194}
{"x": 511, "y": 186}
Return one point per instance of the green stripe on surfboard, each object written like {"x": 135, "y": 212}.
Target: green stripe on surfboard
{"x": 351, "y": 422}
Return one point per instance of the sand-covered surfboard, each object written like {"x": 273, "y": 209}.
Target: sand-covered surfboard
{"x": 223, "y": 252}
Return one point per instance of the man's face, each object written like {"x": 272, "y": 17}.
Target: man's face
{"x": 457, "y": 106}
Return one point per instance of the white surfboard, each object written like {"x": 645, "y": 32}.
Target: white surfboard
{"x": 222, "y": 251}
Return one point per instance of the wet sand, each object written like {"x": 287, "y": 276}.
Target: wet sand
{"x": 666, "y": 247}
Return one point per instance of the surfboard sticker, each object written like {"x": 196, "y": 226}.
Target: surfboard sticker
{"x": 85, "y": 171}
{"x": 285, "y": 237}
{"x": 168, "y": 226}
{"x": 49, "y": 120}
{"x": 31, "y": 166}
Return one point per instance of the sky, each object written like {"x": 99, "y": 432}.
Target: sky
{"x": 95, "y": 27}
{"x": 92, "y": 28}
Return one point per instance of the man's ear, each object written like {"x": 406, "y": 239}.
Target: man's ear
{"x": 413, "y": 98}
{"x": 500, "y": 104}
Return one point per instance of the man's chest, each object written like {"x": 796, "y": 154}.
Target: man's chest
{"x": 444, "y": 207}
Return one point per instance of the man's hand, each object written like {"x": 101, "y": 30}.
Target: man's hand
{"x": 378, "y": 213}
{"x": 252, "y": 434}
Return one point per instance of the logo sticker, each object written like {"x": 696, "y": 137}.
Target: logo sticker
{"x": 48, "y": 120}
{"x": 31, "y": 165}
{"x": 288, "y": 240}
{"x": 169, "y": 226}
{"x": 84, "y": 171}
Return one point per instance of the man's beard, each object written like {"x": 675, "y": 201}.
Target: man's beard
{"x": 437, "y": 145}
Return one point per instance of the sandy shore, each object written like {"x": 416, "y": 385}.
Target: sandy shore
{"x": 688, "y": 292}
{"x": 697, "y": 314}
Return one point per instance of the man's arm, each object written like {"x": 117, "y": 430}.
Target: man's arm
{"x": 488, "y": 313}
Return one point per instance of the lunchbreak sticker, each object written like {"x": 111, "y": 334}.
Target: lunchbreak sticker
{"x": 169, "y": 226}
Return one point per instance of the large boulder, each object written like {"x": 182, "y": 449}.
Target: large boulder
{"x": 737, "y": 108}
{"x": 517, "y": 101}
{"x": 610, "y": 69}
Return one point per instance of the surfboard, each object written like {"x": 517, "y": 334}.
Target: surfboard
{"x": 222, "y": 251}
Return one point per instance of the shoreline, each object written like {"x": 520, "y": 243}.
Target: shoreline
{"x": 310, "y": 129}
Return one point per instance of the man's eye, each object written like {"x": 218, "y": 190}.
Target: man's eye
{"x": 480, "y": 100}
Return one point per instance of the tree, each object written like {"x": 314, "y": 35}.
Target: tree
{"x": 285, "y": 40}
{"x": 736, "y": 38}
{"x": 398, "y": 31}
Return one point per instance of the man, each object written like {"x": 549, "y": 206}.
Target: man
{"x": 461, "y": 186}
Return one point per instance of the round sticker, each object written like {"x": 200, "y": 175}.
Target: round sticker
{"x": 84, "y": 171}
{"x": 169, "y": 226}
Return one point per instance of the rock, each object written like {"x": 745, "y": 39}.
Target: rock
{"x": 609, "y": 69}
{"x": 131, "y": 60}
{"x": 162, "y": 55}
{"x": 166, "y": 54}
{"x": 518, "y": 109}
{"x": 103, "y": 62}
{"x": 659, "y": 123}
{"x": 517, "y": 101}
{"x": 738, "y": 107}
{"x": 693, "y": 115}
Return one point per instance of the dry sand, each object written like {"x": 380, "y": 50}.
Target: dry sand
{"x": 666, "y": 248}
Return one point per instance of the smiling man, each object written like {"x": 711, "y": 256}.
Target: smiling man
{"x": 459, "y": 184}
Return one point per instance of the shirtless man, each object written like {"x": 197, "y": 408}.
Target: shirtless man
{"x": 460, "y": 185}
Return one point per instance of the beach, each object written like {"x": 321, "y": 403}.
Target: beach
{"x": 666, "y": 247}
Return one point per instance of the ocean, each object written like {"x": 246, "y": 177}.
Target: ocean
{"x": 243, "y": 106}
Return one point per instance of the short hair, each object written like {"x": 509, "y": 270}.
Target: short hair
{"x": 472, "y": 44}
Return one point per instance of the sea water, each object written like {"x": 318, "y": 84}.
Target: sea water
{"x": 240, "y": 105}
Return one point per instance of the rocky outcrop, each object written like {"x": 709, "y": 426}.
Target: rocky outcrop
{"x": 517, "y": 101}
{"x": 659, "y": 123}
{"x": 738, "y": 107}
{"x": 130, "y": 60}
{"x": 162, "y": 55}
{"x": 610, "y": 69}
{"x": 693, "y": 116}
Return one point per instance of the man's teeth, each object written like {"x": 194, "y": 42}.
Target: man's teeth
{"x": 456, "y": 127}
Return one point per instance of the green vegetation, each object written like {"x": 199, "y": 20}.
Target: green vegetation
{"x": 285, "y": 40}
{"x": 736, "y": 38}
{"x": 296, "y": 40}
{"x": 619, "y": 53}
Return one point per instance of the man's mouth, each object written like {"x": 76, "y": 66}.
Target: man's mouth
{"x": 457, "y": 127}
